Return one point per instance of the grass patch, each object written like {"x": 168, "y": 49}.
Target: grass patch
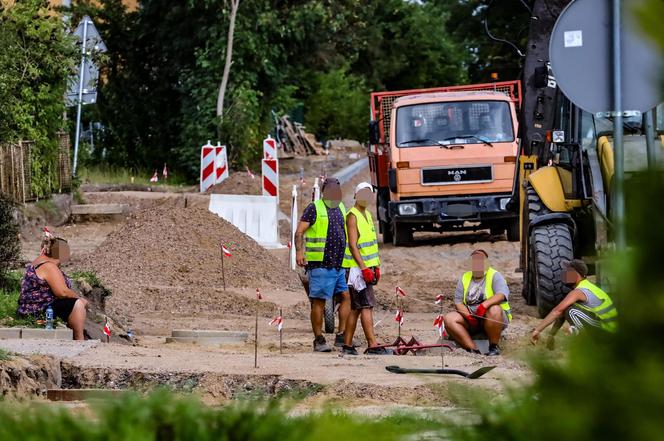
{"x": 165, "y": 416}
{"x": 9, "y": 295}
{"x": 107, "y": 175}
{"x": 4, "y": 355}
{"x": 92, "y": 279}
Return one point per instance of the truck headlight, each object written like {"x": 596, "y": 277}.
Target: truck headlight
{"x": 407, "y": 209}
{"x": 503, "y": 203}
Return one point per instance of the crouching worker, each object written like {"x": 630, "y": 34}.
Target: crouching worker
{"x": 45, "y": 284}
{"x": 320, "y": 242}
{"x": 481, "y": 302}
{"x": 585, "y": 305}
{"x": 363, "y": 265}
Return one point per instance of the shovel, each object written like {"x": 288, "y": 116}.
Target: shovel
{"x": 476, "y": 374}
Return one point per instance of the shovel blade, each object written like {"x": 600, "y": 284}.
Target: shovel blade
{"x": 481, "y": 371}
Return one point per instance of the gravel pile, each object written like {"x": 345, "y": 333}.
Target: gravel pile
{"x": 168, "y": 258}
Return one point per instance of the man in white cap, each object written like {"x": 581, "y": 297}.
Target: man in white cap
{"x": 363, "y": 264}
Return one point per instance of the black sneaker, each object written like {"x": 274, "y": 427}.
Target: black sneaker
{"x": 320, "y": 345}
{"x": 493, "y": 350}
{"x": 339, "y": 341}
{"x": 379, "y": 351}
{"x": 349, "y": 350}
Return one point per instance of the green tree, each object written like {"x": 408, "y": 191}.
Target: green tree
{"x": 10, "y": 247}
{"x": 36, "y": 58}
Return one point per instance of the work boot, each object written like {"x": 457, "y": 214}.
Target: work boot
{"x": 493, "y": 350}
{"x": 349, "y": 350}
{"x": 339, "y": 341}
{"x": 320, "y": 345}
{"x": 379, "y": 351}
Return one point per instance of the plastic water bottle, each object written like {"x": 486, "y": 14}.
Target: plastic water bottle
{"x": 49, "y": 317}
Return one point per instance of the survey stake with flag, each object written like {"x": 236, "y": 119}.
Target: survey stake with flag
{"x": 278, "y": 321}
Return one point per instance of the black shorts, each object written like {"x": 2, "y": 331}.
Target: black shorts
{"x": 362, "y": 299}
{"x": 62, "y": 308}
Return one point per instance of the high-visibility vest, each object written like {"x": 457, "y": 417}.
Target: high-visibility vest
{"x": 367, "y": 241}
{"x": 605, "y": 311}
{"x": 488, "y": 289}
{"x": 316, "y": 235}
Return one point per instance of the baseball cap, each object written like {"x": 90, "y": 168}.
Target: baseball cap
{"x": 577, "y": 265}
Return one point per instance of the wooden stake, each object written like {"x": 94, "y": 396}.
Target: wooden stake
{"x": 258, "y": 296}
{"x": 223, "y": 273}
{"x": 281, "y": 333}
{"x": 442, "y": 348}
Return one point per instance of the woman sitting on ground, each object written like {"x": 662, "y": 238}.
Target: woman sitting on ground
{"x": 45, "y": 284}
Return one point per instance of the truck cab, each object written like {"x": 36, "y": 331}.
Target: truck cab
{"x": 444, "y": 160}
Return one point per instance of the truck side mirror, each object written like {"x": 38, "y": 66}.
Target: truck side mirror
{"x": 374, "y": 136}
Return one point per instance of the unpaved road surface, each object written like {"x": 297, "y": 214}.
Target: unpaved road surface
{"x": 431, "y": 267}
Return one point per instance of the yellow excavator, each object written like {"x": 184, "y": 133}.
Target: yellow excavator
{"x": 566, "y": 167}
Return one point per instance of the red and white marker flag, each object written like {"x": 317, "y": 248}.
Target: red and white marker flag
{"x": 164, "y": 172}
{"x": 438, "y": 324}
{"x": 439, "y": 299}
{"x": 107, "y": 329}
{"x": 155, "y": 177}
{"x": 251, "y": 175}
{"x": 48, "y": 233}
{"x": 400, "y": 292}
{"x": 278, "y": 321}
{"x": 258, "y": 294}
{"x": 225, "y": 250}
{"x": 398, "y": 317}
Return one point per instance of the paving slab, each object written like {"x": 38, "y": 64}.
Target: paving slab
{"x": 52, "y": 334}
{"x": 81, "y": 394}
{"x": 10, "y": 333}
{"x": 52, "y": 347}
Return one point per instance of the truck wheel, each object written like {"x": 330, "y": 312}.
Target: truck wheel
{"x": 550, "y": 246}
{"x": 386, "y": 228}
{"x": 514, "y": 230}
{"x": 329, "y": 316}
{"x": 402, "y": 235}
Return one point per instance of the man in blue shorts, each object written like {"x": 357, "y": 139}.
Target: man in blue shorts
{"x": 320, "y": 244}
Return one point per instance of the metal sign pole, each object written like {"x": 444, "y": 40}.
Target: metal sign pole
{"x": 650, "y": 140}
{"x": 80, "y": 94}
{"x": 619, "y": 212}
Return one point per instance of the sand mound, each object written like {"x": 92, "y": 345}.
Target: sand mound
{"x": 168, "y": 258}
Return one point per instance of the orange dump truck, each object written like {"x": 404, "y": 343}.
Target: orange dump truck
{"x": 444, "y": 159}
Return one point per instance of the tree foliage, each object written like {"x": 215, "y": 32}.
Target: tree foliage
{"x": 36, "y": 58}
{"x": 317, "y": 58}
{"x": 10, "y": 247}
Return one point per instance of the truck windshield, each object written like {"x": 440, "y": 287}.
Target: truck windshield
{"x": 461, "y": 122}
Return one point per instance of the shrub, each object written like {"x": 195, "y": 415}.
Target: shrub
{"x": 10, "y": 247}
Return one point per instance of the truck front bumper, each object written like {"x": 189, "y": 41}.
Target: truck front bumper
{"x": 451, "y": 209}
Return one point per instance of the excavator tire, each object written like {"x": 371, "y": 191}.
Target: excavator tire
{"x": 550, "y": 246}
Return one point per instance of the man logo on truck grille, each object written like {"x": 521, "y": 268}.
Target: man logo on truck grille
{"x": 457, "y": 174}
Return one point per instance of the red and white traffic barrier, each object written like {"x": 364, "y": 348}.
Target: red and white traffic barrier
{"x": 207, "y": 166}
{"x": 270, "y": 177}
{"x": 220, "y": 163}
{"x": 269, "y": 148}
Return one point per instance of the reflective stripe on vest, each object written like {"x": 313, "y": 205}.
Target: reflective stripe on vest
{"x": 367, "y": 242}
{"x": 606, "y": 311}
{"x": 316, "y": 235}
{"x": 488, "y": 289}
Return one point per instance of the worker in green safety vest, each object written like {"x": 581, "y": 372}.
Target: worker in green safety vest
{"x": 363, "y": 270}
{"x": 585, "y": 305}
{"x": 320, "y": 243}
{"x": 481, "y": 303}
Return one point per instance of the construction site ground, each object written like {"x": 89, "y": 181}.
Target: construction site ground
{"x": 153, "y": 298}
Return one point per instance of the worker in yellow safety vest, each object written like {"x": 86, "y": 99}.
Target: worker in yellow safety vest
{"x": 481, "y": 303}
{"x": 320, "y": 243}
{"x": 585, "y": 305}
{"x": 363, "y": 267}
